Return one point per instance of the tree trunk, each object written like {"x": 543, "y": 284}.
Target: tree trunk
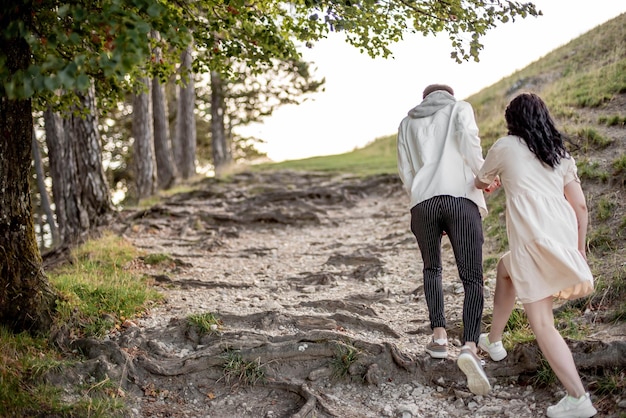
{"x": 222, "y": 155}
{"x": 185, "y": 120}
{"x": 166, "y": 171}
{"x": 82, "y": 195}
{"x": 26, "y": 297}
{"x": 45, "y": 201}
{"x": 61, "y": 169}
{"x": 177, "y": 146}
{"x": 143, "y": 145}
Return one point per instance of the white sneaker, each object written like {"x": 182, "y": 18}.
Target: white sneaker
{"x": 496, "y": 350}
{"x": 570, "y": 407}
{"x": 471, "y": 365}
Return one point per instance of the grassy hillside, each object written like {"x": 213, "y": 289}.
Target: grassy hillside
{"x": 584, "y": 85}
{"x": 378, "y": 157}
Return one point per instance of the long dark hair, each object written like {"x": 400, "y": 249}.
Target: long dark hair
{"x": 527, "y": 116}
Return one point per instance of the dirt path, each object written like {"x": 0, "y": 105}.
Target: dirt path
{"x": 307, "y": 274}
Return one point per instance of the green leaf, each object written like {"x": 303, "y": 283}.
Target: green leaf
{"x": 83, "y": 82}
{"x": 154, "y": 10}
{"x": 51, "y": 83}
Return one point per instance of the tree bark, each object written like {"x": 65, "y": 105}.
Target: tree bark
{"x": 185, "y": 120}
{"x": 166, "y": 171}
{"x": 26, "y": 297}
{"x": 45, "y": 200}
{"x": 61, "y": 169}
{"x": 143, "y": 145}
{"x": 82, "y": 194}
{"x": 222, "y": 155}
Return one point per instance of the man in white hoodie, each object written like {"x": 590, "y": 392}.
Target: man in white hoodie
{"x": 439, "y": 154}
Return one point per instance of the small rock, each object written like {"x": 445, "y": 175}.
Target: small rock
{"x": 462, "y": 394}
{"x": 309, "y": 289}
{"x": 408, "y": 410}
{"x": 373, "y": 376}
{"x": 504, "y": 395}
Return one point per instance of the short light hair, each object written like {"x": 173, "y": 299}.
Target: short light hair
{"x": 435, "y": 87}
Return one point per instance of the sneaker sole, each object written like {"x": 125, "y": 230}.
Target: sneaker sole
{"x": 587, "y": 412}
{"x": 477, "y": 381}
{"x": 496, "y": 357}
{"x": 436, "y": 354}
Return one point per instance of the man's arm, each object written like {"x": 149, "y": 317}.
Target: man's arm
{"x": 479, "y": 184}
{"x": 405, "y": 166}
{"x": 467, "y": 134}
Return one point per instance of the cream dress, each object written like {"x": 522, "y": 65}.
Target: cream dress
{"x": 541, "y": 225}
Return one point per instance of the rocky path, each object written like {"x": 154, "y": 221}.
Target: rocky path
{"x": 316, "y": 284}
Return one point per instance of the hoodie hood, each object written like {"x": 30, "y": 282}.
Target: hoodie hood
{"x": 431, "y": 104}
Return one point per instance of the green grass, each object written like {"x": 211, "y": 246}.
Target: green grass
{"x": 586, "y": 72}
{"x": 593, "y": 87}
{"x": 588, "y": 170}
{"x": 517, "y": 330}
{"x": 25, "y": 362}
{"x": 157, "y": 258}
{"x": 240, "y": 372}
{"x": 345, "y": 356}
{"x": 612, "y": 382}
{"x": 614, "y": 290}
{"x": 206, "y": 323}
{"x": 612, "y": 120}
{"x": 490, "y": 262}
{"x": 600, "y": 239}
{"x": 155, "y": 199}
{"x": 544, "y": 376}
{"x": 494, "y": 225}
{"x": 592, "y": 139}
{"x": 99, "y": 289}
{"x": 605, "y": 208}
{"x": 378, "y": 157}
{"x": 569, "y": 324}
{"x": 619, "y": 165}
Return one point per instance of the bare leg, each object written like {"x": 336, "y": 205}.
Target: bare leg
{"x": 503, "y": 302}
{"x": 553, "y": 346}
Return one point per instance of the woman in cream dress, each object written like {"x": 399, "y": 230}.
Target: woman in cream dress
{"x": 546, "y": 220}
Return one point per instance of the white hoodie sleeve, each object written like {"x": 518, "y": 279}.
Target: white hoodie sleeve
{"x": 467, "y": 135}
{"x": 405, "y": 165}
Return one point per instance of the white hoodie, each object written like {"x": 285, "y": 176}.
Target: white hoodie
{"x": 439, "y": 150}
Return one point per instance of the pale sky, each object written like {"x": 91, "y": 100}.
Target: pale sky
{"x": 367, "y": 98}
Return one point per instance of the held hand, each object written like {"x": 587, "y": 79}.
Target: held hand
{"x": 495, "y": 184}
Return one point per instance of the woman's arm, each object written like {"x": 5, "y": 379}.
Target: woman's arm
{"x": 491, "y": 169}
{"x": 576, "y": 198}
{"x": 488, "y": 187}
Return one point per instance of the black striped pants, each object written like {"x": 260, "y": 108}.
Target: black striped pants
{"x": 460, "y": 219}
